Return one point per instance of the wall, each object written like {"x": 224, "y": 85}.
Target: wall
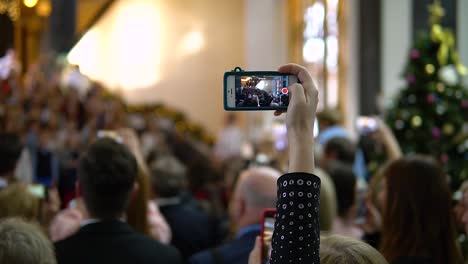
{"x": 266, "y": 38}
{"x": 396, "y": 41}
{"x": 173, "y": 52}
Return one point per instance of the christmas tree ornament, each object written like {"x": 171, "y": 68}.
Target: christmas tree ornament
{"x": 412, "y": 99}
{"x": 416, "y": 121}
{"x": 464, "y": 104}
{"x": 430, "y": 99}
{"x": 440, "y": 87}
{"x": 444, "y": 158}
{"x": 440, "y": 109}
{"x": 399, "y": 124}
{"x": 429, "y": 69}
{"x": 448, "y": 129}
{"x": 436, "y": 132}
{"x": 415, "y": 54}
{"x": 448, "y": 74}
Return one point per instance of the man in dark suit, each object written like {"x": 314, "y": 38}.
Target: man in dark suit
{"x": 106, "y": 180}
{"x": 193, "y": 230}
{"x": 254, "y": 192}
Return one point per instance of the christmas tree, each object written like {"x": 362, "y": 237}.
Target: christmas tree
{"x": 430, "y": 114}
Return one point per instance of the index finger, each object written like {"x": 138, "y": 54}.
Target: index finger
{"x": 298, "y": 70}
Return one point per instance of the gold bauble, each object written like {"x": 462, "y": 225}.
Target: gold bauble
{"x": 440, "y": 87}
{"x": 448, "y": 129}
{"x": 416, "y": 121}
{"x": 430, "y": 69}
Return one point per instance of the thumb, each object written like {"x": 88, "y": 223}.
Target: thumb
{"x": 256, "y": 254}
{"x": 297, "y": 93}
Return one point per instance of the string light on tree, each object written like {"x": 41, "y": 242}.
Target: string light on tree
{"x": 30, "y": 3}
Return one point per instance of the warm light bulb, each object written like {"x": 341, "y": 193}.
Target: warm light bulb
{"x": 30, "y": 3}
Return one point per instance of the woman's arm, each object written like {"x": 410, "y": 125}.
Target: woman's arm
{"x": 297, "y": 232}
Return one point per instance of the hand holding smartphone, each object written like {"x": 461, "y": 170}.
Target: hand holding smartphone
{"x": 268, "y": 227}
{"x": 259, "y": 90}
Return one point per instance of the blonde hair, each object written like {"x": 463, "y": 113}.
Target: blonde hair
{"x": 17, "y": 201}
{"x": 346, "y": 250}
{"x": 22, "y": 242}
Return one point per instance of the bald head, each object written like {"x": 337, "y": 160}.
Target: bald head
{"x": 258, "y": 187}
{"x": 255, "y": 191}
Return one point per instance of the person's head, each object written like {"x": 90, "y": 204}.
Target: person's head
{"x": 345, "y": 185}
{"x": 106, "y": 176}
{"x": 328, "y": 118}
{"x": 254, "y": 192}
{"x": 24, "y": 243}
{"x": 17, "y": 201}
{"x": 338, "y": 149}
{"x": 10, "y": 151}
{"x": 417, "y": 214}
{"x": 346, "y": 250}
{"x": 168, "y": 176}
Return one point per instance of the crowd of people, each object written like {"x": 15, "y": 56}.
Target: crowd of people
{"x": 80, "y": 184}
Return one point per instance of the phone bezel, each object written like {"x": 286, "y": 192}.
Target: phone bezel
{"x": 248, "y": 73}
{"x": 267, "y": 213}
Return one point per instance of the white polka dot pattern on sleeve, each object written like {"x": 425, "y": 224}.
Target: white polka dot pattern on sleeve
{"x": 297, "y": 236}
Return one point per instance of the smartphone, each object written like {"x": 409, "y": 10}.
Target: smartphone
{"x": 361, "y": 210}
{"x": 37, "y": 190}
{"x": 268, "y": 226}
{"x": 257, "y": 90}
{"x": 366, "y": 125}
{"x": 110, "y": 134}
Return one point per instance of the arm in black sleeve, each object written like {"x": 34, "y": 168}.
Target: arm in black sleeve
{"x": 296, "y": 238}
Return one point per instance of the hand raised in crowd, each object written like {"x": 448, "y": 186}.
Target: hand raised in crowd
{"x": 373, "y": 222}
{"x": 300, "y": 119}
{"x": 256, "y": 254}
{"x": 387, "y": 138}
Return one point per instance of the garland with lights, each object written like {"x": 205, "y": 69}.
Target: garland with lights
{"x": 181, "y": 123}
{"x": 430, "y": 114}
{"x": 10, "y": 8}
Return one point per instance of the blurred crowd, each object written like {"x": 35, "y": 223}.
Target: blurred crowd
{"x": 208, "y": 201}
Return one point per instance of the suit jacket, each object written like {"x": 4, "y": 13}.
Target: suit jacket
{"x": 113, "y": 242}
{"x": 192, "y": 229}
{"x": 235, "y": 252}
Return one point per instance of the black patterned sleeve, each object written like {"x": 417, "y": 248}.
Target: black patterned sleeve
{"x": 296, "y": 238}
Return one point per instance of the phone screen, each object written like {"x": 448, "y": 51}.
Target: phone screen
{"x": 37, "y": 190}
{"x": 258, "y": 91}
{"x": 110, "y": 134}
{"x": 366, "y": 125}
{"x": 267, "y": 235}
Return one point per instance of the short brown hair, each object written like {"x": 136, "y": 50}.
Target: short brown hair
{"x": 24, "y": 243}
{"x": 346, "y": 250}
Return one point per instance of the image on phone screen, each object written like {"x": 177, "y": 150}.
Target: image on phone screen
{"x": 257, "y": 91}
{"x": 261, "y": 91}
{"x": 267, "y": 235}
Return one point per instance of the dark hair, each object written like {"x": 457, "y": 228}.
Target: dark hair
{"x": 417, "y": 214}
{"x": 345, "y": 185}
{"x": 343, "y": 149}
{"x": 107, "y": 173}
{"x": 10, "y": 151}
